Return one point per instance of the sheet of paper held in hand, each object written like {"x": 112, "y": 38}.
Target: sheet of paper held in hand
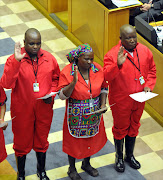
{"x": 142, "y": 96}
{"x": 48, "y": 95}
{"x": 99, "y": 110}
{"x": 123, "y": 3}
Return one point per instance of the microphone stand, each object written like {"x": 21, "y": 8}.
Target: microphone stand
{"x": 155, "y": 22}
{"x": 148, "y": 16}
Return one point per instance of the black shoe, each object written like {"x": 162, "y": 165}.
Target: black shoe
{"x": 41, "y": 158}
{"x": 119, "y": 165}
{"x": 21, "y": 178}
{"x": 129, "y": 157}
{"x": 20, "y": 162}
{"x": 42, "y": 175}
{"x": 90, "y": 170}
{"x": 74, "y": 175}
{"x": 133, "y": 162}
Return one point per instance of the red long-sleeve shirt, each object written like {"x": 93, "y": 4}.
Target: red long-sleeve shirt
{"x": 124, "y": 80}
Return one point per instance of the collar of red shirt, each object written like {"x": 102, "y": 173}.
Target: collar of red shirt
{"x": 27, "y": 57}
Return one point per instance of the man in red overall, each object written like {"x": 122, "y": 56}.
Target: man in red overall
{"x": 31, "y": 73}
{"x": 3, "y": 125}
{"x": 129, "y": 68}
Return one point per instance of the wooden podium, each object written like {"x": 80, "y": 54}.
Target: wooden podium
{"x": 53, "y": 6}
{"x": 155, "y": 106}
{"x": 91, "y": 22}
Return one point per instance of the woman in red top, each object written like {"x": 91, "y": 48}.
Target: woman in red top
{"x": 3, "y": 125}
{"x": 82, "y": 84}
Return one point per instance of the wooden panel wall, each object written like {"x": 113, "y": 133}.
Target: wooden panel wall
{"x": 43, "y": 3}
{"x": 57, "y": 5}
{"x": 53, "y": 6}
{"x": 113, "y": 21}
{"x": 88, "y": 24}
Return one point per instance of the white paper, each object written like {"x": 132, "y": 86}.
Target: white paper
{"x": 159, "y": 32}
{"x": 48, "y": 95}
{"x": 142, "y": 96}
{"x": 123, "y": 3}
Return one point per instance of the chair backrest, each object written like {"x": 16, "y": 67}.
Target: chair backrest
{"x": 147, "y": 31}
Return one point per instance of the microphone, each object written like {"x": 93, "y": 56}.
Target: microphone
{"x": 148, "y": 16}
{"x": 154, "y": 21}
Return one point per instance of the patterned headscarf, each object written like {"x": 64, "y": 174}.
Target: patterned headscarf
{"x": 76, "y": 53}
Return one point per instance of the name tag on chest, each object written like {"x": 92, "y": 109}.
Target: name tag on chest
{"x": 36, "y": 87}
{"x": 141, "y": 79}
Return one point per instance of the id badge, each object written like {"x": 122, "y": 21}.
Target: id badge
{"x": 141, "y": 79}
{"x": 36, "y": 87}
{"x": 91, "y": 102}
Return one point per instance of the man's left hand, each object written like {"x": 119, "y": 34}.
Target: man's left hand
{"x": 145, "y": 7}
{"x": 48, "y": 100}
{"x": 147, "y": 89}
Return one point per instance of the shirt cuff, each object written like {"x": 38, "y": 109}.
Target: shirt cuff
{"x": 62, "y": 96}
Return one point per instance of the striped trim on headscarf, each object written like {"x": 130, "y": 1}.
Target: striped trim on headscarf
{"x": 76, "y": 53}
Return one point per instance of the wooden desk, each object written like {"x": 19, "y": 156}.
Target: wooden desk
{"x": 91, "y": 22}
{"x": 155, "y": 106}
{"x": 53, "y": 6}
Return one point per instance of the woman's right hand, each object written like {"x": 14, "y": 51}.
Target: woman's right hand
{"x": 67, "y": 90}
{"x": 75, "y": 79}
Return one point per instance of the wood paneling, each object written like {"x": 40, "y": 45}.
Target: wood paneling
{"x": 43, "y": 3}
{"x": 88, "y": 24}
{"x": 113, "y": 21}
{"x": 93, "y": 23}
{"x": 53, "y": 6}
{"x": 57, "y": 5}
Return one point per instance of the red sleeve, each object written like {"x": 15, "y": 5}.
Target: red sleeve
{"x": 3, "y": 97}
{"x": 65, "y": 77}
{"x": 11, "y": 72}
{"x": 110, "y": 69}
{"x": 151, "y": 77}
{"x": 104, "y": 84}
{"x": 55, "y": 78}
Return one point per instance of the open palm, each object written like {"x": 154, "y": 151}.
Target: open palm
{"x": 121, "y": 57}
{"x": 18, "y": 55}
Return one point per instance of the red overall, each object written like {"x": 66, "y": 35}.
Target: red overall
{"x": 31, "y": 117}
{"x": 124, "y": 81}
{"x": 3, "y": 153}
{"x": 83, "y": 147}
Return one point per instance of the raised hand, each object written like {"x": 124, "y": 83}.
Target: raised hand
{"x": 18, "y": 55}
{"x": 121, "y": 58}
{"x": 75, "y": 79}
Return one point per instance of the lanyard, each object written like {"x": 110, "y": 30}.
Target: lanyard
{"x": 89, "y": 81}
{"x": 138, "y": 68}
{"x": 35, "y": 72}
